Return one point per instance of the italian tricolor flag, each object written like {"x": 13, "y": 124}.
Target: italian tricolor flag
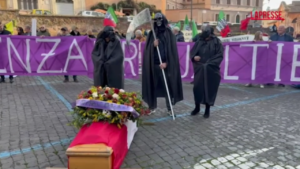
{"x": 222, "y": 25}
{"x": 119, "y": 139}
{"x": 111, "y": 18}
{"x": 245, "y": 22}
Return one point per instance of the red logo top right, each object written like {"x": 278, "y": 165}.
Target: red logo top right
{"x": 266, "y": 15}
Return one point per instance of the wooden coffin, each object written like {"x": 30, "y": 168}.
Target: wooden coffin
{"x": 90, "y": 156}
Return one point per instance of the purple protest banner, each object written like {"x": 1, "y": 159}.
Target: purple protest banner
{"x": 25, "y": 55}
{"x": 244, "y": 62}
{"x": 264, "y": 62}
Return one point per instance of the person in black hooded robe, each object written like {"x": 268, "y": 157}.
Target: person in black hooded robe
{"x": 206, "y": 56}
{"x": 108, "y": 60}
{"x": 153, "y": 85}
{"x": 197, "y": 37}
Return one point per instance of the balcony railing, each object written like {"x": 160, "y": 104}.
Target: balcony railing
{"x": 194, "y": 2}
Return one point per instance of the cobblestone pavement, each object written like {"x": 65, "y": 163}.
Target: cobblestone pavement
{"x": 248, "y": 128}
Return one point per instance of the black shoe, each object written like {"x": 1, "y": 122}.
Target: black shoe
{"x": 195, "y": 111}
{"x": 206, "y": 116}
{"x": 75, "y": 80}
{"x": 2, "y": 81}
{"x": 192, "y": 82}
{"x": 281, "y": 85}
{"x": 66, "y": 80}
{"x": 207, "y": 112}
{"x": 11, "y": 80}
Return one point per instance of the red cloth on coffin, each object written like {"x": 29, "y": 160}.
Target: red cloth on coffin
{"x": 108, "y": 134}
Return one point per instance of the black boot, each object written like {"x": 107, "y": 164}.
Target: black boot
{"x": 2, "y": 80}
{"x": 207, "y": 111}
{"x": 66, "y": 79}
{"x": 75, "y": 79}
{"x": 196, "y": 110}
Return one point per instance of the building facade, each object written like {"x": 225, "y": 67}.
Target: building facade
{"x": 59, "y": 7}
{"x": 291, "y": 15}
{"x": 159, "y": 4}
{"x": 208, "y": 10}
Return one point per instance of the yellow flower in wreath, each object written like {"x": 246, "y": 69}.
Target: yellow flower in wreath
{"x": 109, "y": 101}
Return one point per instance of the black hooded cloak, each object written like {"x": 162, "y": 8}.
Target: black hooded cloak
{"x": 207, "y": 71}
{"x": 108, "y": 60}
{"x": 153, "y": 85}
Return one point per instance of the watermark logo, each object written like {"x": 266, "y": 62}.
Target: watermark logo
{"x": 266, "y": 15}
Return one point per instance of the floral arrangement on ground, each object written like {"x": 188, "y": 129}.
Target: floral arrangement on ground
{"x": 100, "y": 104}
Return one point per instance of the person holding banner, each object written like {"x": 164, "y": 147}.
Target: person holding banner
{"x": 178, "y": 34}
{"x": 257, "y": 38}
{"x": 206, "y": 56}
{"x": 139, "y": 36}
{"x": 4, "y": 32}
{"x": 65, "y": 32}
{"x": 153, "y": 84}
{"x": 108, "y": 58}
{"x": 281, "y": 35}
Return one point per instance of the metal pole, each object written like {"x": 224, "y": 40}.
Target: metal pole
{"x": 191, "y": 10}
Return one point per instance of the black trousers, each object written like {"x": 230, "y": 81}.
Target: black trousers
{"x": 67, "y": 77}
{"x": 3, "y": 77}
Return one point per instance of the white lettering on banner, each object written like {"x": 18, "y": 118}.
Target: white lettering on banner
{"x": 226, "y": 76}
{"x": 140, "y": 53}
{"x": 47, "y": 55}
{"x": 187, "y": 63}
{"x": 129, "y": 60}
{"x": 75, "y": 57}
{"x": 278, "y": 62}
{"x": 240, "y": 38}
{"x": 254, "y": 56}
{"x": 10, "y": 46}
{"x": 2, "y": 70}
{"x": 295, "y": 64}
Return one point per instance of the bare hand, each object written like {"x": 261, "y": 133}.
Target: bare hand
{"x": 155, "y": 43}
{"x": 163, "y": 65}
{"x": 197, "y": 58}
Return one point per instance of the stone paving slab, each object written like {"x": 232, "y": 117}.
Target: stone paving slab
{"x": 248, "y": 128}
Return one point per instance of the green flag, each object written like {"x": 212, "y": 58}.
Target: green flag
{"x": 186, "y": 25}
{"x": 194, "y": 29}
{"x": 178, "y": 25}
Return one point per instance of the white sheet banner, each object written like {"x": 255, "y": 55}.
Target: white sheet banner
{"x": 241, "y": 38}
